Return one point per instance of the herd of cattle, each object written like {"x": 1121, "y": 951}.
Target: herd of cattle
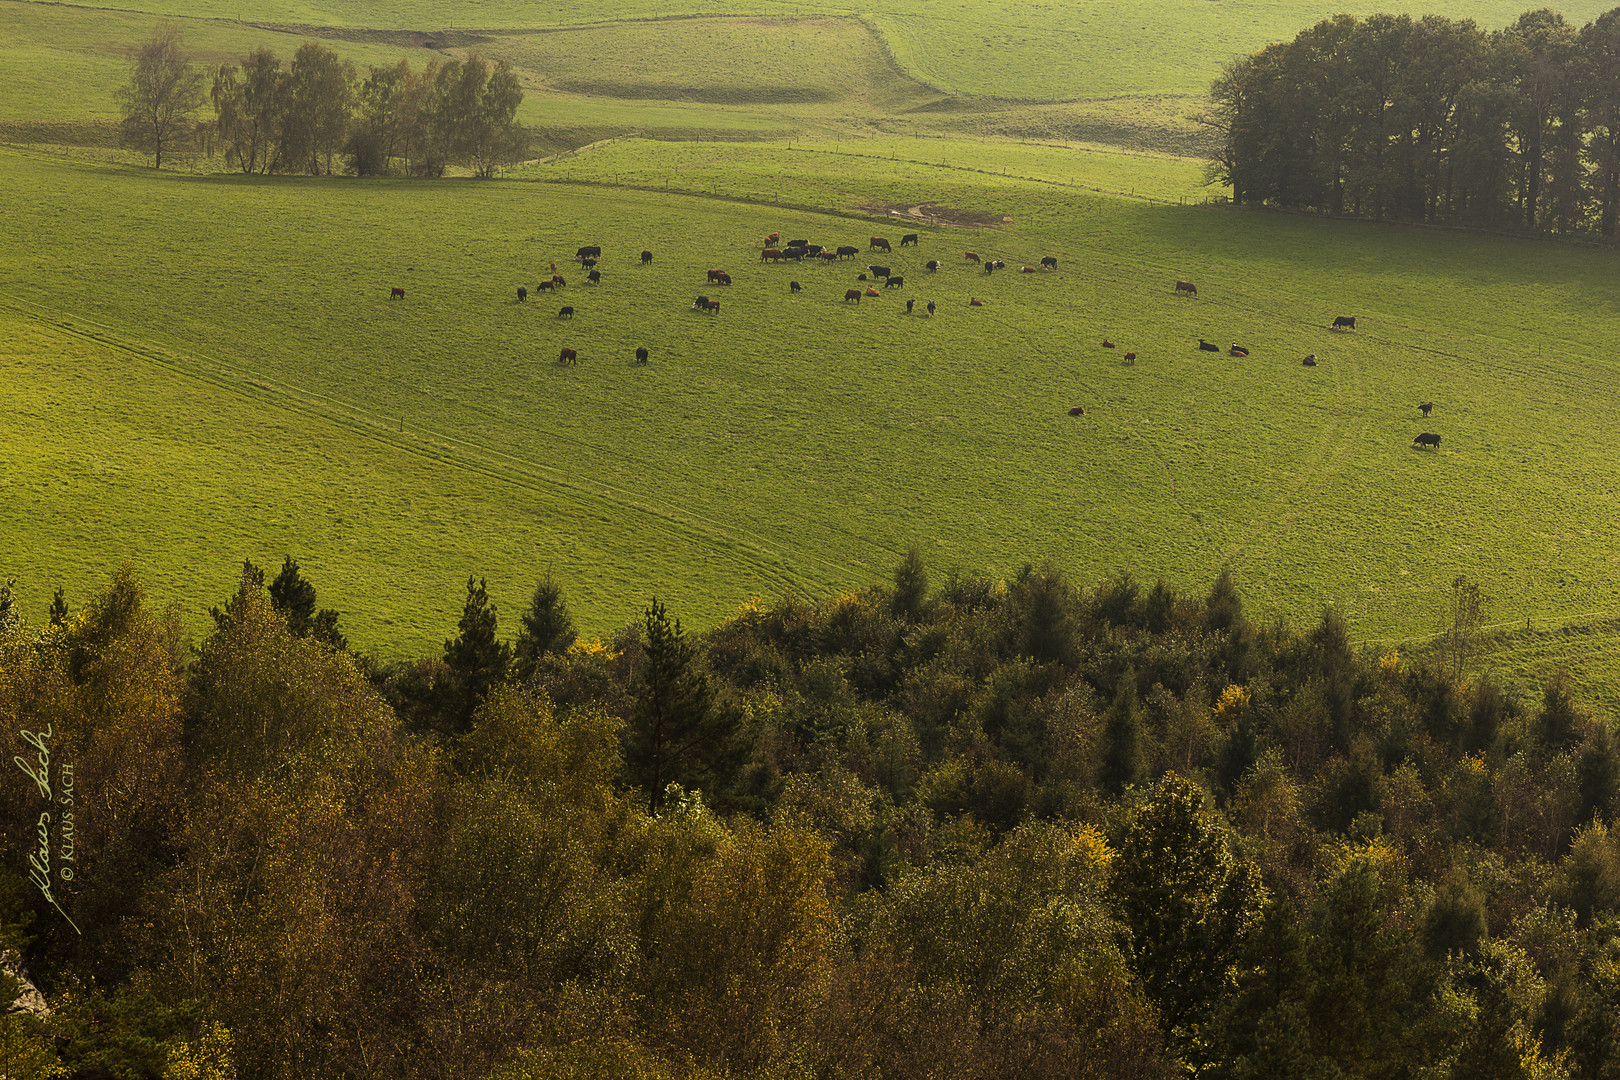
{"x": 802, "y": 250}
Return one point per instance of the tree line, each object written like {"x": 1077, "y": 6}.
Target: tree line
{"x": 1430, "y": 120}
{"x": 982, "y": 827}
{"x": 317, "y": 115}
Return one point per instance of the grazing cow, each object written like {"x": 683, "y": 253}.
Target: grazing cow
{"x": 878, "y": 271}
{"x": 1107, "y": 344}
{"x": 1309, "y": 361}
{"x": 714, "y": 307}
{"x": 814, "y": 250}
{"x": 724, "y": 278}
{"x": 586, "y": 264}
{"x": 594, "y": 277}
{"x": 852, "y": 294}
{"x": 1130, "y": 358}
{"x": 568, "y": 356}
{"x": 989, "y": 266}
{"x": 970, "y": 256}
{"x": 1428, "y": 438}
{"x": 701, "y": 304}
{"x": 872, "y": 292}
{"x": 770, "y": 255}
{"x": 878, "y": 242}
{"x": 773, "y": 239}
{"x": 566, "y": 313}
{"x": 544, "y": 285}
{"x": 523, "y": 294}
{"x": 974, "y": 301}
{"x": 1425, "y": 407}
{"x": 828, "y": 255}
{"x": 798, "y": 243}
{"x": 557, "y": 280}
{"x": 1187, "y": 287}
{"x": 909, "y": 238}
{"x": 908, "y": 306}
{"x": 1049, "y": 262}
{"x": 1077, "y": 411}
{"x": 396, "y": 293}
{"x": 795, "y": 254}
{"x": 592, "y": 252}
{"x": 716, "y": 275}
{"x": 641, "y": 355}
{"x": 848, "y": 252}
{"x": 930, "y": 309}
{"x": 1344, "y": 322}
{"x": 999, "y": 265}
{"x": 793, "y": 286}
{"x": 894, "y": 283}
{"x": 932, "y": 264}
{"x": 646, "y": 257}
{"x": 1026, "y": 269}
{"x": 1208, "y": 346}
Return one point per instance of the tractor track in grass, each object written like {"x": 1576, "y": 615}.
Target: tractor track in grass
{"x": 433, "y": 445}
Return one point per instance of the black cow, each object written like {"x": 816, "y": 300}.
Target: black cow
{"x": 523, "y": 294}
{"x": 1207, "y": 347}
{"x": 909, "y": 238}
{"x": 860, "y": 277}
{"x": 813, "y": 250}
{"x": 566, "y": 313}
{"x": 930, "y": 308}
{"x": 848, "y": 252}
{"x": 587, "y": 263}
{"x": 931, "y": 264}
{"x": 641, "y": 355}
{"x": 592, "y": 252}
{"x": 894, "y": 283}
{"x": 1049, "y": 262}
{"x": 1309, "y": 361}
{"x": 701, "y": 304}
{"x": 798, "y": 243}
{"x": 908, "y": 306}
{"x": 796, "y": 254}
{"x": 594, "y": 277}
{"x": 1425, "y": 407}
{"x": 646, "y": 257}
{"x": 1428, "y": 438}
{"x": 1346, "y": 322}
{"x": 878, "y": 271}
{"x": 793, "y": 286}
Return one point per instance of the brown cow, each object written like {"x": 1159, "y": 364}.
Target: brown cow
{"x": 771, "y": 254}
{"x": 872, "y": 292}
{"x": 723, "y": 279}
{"x": 557, "y": 280}
{"x": 1026, "y": 269}
{"x": 970, "y": 256}
{"x": 878, "y": 241}
{"x": 1077, "y": 411}
{"x": 773, "y": 239}
{"x": 568, "y": 356}
{"x": 852, "y": 294}
{"x": 545, "y": 285}
{"x": 397, "y": 293}
{"x": 1107, "y": 344}
{"x": 1186, "y": 287}
{"x": 974, "y": 301}
{"x": 829, "y": 256}
{"x": 1130, "y": 358}
{"x": 716, "y": 275}
{"x": 714, "y": 307}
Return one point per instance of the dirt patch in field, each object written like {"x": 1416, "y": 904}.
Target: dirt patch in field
{"x": 937, "y": 214}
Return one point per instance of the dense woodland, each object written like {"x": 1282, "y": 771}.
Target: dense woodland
{"x": 976, "y": 828}
{"x": 1432, "y": 120}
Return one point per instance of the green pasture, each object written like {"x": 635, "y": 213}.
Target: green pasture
{"x": 791, "y": 442}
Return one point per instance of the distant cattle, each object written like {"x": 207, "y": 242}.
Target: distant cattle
{"x": 586, "y": 264}
{"x": 1026, "y": 269}
{"x": 894, "y": 283}
{"x": 798, "y": 243}
{"x": 1428, "y": 438}
{"x": 970, "y": 256}
{"x": 829, "y": 255}
{"x": 716, "y": 275}
{"x": 932, "y": 264}
{"x": 793, "y": 286}
{"x": 1187, "y": 287}
{"x": 1077, "y": 411}
{"x": 908, "y": 306}
{"x": 1344, "y": 322}
{"x": 773, "y": 239}
{"x": 557, "y": 280}
{"x": 396, "y": 293}
{"x": 1426, "y": 407}
{"x": 878, "y": 242}
{"x": 591, "y": 252}
{"x": 814, "y": 251}
{"x": 852, "y": 294}
{"x": 795, "y": 254}
{"x": 870, "y": 291}
{"x": 930, "y": 307}
{"x": 1238, "y": 350}
{"x": 1107, "y": 344}
{"x": 713, "y": 307}
{"x": 1309, "y": 361}
{"x": 568, "y": 356}
{"x": 1130, "y": 358}
{"x": 860, "y": 277}
{"x": 1049, "y": 262}
{"x": 1208, "y": 346}
{"x": 701, "y": 304}
{"x": 641, "y": 355}
{"x": 547, "y": 284}
{"x": 848, "y": 252}
{"x": 566, "y": 313}
{"x": 523, "y": 294}
{"x": 646, "y": 257}
{"x": 878, "y": 271}
{"x": 909, "y": 238}
{"x": 594, "y": 277}
{"x": 974, "y": 301}
{"x": 723, "y": 279}
{"x": 998, "y": 264}
{"x": 770, "y": 255}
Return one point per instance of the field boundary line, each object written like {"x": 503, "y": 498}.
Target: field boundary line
{"x": 518, "y": 471}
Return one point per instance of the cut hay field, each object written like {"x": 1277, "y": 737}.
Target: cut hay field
{"x": 212, "y": 370}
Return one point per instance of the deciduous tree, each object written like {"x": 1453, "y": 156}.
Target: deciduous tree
{"x": 162, "y": 94}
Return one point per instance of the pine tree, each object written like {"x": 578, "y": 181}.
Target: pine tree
{"x": 293, "y": 597}
{"x": 676, "y": 732}
{"x": 477, "y": 661}
{"x": 1122, "y": 740}
{"x": 910, "y": 586}
{"x": 59, "y": 608}
{"x": 547, "y": 628}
